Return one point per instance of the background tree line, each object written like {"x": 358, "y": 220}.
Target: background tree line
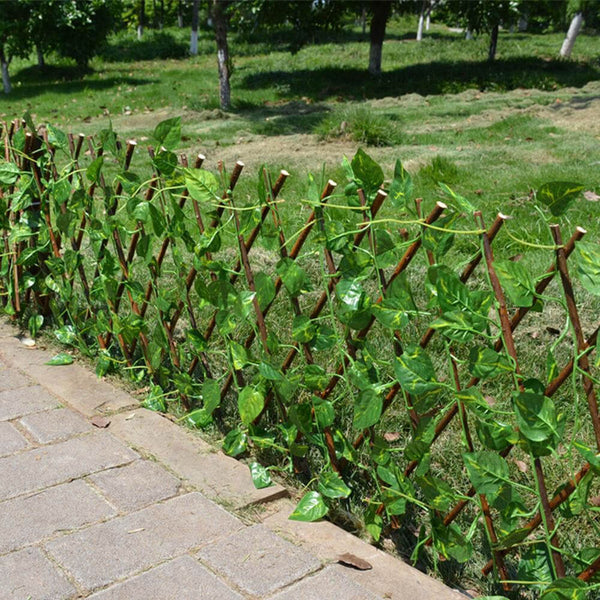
{"x": 77, "y": 29}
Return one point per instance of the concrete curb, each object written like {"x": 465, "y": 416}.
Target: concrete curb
{"x": 217, "y": 476}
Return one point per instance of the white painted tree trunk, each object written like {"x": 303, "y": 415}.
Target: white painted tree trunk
{"x": 420, "y": 27}
{"x": 140, "y": 31}
{"x": 428, "y": 21}
{"x": 469, "y": 35}
{"x": 574, "y": 28}
{"x": 194, "y": 35}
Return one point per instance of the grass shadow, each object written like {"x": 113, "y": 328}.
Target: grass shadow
{"x": 440, "y": 77}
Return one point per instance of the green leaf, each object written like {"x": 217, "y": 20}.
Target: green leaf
{"x": 93, "y": 171}
{"x": 260, "y": 476}
{"x": 367, "y": 409}
{"x": 294, "y": 277}
{"x": 168, "y": 133}
{"x": 589, "y": 455}
{"x": 536, "y": 416}
{"x": 558, "y": 195}
{"x": 66, "y": 335}
{"x": 155, "y": 400}
{"x": 57, "y": 138}
{"x": 250, "y": 404}
{"x": 451, "y": 542}
{"x": 516, "y": 281}
{"x": 202, "y": 185}
{"x": 211, "y": 395}
{"x": 494, "y": 434}
{"x": 460, "y": 202}
{"x": 332, "y": 485}
{"x": 235, "y": 442}
{"x": 9, "y": 173}
{"x": 239, "y": 355}
{"x": 567, "y": 588}
{"x": 452, "y": 293}
{"x": 324, "y": 412}
{"x": 455, "y": 325}
{"x": 535, "y": 565}
{"x": 367, "y": 171}
{"x": 487, "y": 470}
{"x": 265, "y": 289}
{"x": 486, "y": 363}
{"x": 401, "y": 189}
{"x": 199, "y": 418}
{"x": 62, "y": 358}
{"x": 353, "y": 305}
{"x": 310, "y": 508}
{"x": 414, "y": 370}
{"x": 34, "y": 324}
{"x": 165, "y": 162}
{"x": 587, "y": 257}
{"x": 303, "y": 329}
{"x": 269, "y": 372}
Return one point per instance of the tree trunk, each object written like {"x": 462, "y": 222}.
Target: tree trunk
{"x": 574, "y": 27}
{"x": 141, "y": 19}
{"x": 220, "y": 22}
{"x": 5, "y": 76}
{"x": 381, "y": 11}
{"x": 161, "y": 16}
{"x": 421, "y": 21}
{"x": 41, "y": 63}
{"x": 493, "y": 42}
{"x": 194, "y": 36}
{"x": 179, "y": 14}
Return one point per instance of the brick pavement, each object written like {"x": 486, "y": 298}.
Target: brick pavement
{"x": 135, "y": 511}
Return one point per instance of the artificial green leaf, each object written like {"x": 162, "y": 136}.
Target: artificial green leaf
{"x": 367, "y": 408}
{"x": 324, "y": 412}
{"x": 66, "y": 335}
{"x": 399, "y": 294}
{"x": 62, "y": 358}
{"x": 293, "y": 276}
{"x": 9, "y": 173}
{"x": 452, "y": 293}
{"x": 250, "y": 404}
{"x": 300, "y": 415}
{"x": 536, "y": 416}
{"x": 168, "y": 133}
{"x": 93, "y": 171}
{"x": 589, "y": 455}
{"x": 202, "y": 185}
{"x": 155, "y": 400}
{"x": 486, "y": 363}
{"x": 200, "y": 418}
{"x": 34, "y": 324}
{"x": 260, "y": 476}
{"x": 310, "y": 508}
{"x": 567, "y": 588}
{"x": 368, "y": 173}
{"x": 401, "y": 189}
{"x": 558, "y": 195}
{"x": 235, "y": 442}
{"x": 587, "y": 257}
{"x": 460, "y": 202}
{"x": 373, "y": 521}
{"x": 456, "y": 325}
{"x": 414, "y": 370}
{"x": 269, "y": 372}
{"x": 353, "y": 305}
{"x": 265, "y": 289}
{"x": 487, "y": 470}
{"x": 450, "y": 541}
{"x": 239, "y": 355}
{"x": 535, "y": 565}
{"x": 303, "y": 329}
{"x": 315, "y": 377}
{"x": 332, "y": 485}
{"x": 211, "y": 395}
{"x": 494, "y": 434}
{"x": 516, "y": 282}
{"x": 57, "y": 138}
{"x": 165, "y": 162}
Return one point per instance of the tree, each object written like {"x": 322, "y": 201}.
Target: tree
{"x": 220, "y": 22}
{"x": 14, "y": 40}
{"x": 194, "y": 35}
{"x": 381, "y": 11}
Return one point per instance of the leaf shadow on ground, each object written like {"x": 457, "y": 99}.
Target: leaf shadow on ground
{"x": 440, "y": 77}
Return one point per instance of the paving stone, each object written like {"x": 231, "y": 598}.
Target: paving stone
{"x": 390, "y": 578}
{"x": 217, "y": 476}
{"x": 10, "y": 439}
{"x": 28, "y": 574}
{"x": 329, "y": 584}
{"x": 75, "y": 384}
{"x": 180, "y": 579}
{"x": 257, "y": 560}
{"x": 16, "y": 403}
{"x": 27, "y": 520}
{"x": 42, "y": 467}
{"x": 53, "y": 425}
{"x": 136, "y": 485}
{"x": 11, "y": 379}
{"x": 124, "y": 546}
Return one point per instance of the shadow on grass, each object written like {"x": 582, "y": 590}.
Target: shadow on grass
{"x": 33, "y": 81}
{"x": 427, "y": 79}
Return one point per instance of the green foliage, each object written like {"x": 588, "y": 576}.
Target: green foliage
{"x": 341, "y": 383}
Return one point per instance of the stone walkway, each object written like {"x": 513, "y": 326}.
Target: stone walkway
{"x": 134, "y": 509}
